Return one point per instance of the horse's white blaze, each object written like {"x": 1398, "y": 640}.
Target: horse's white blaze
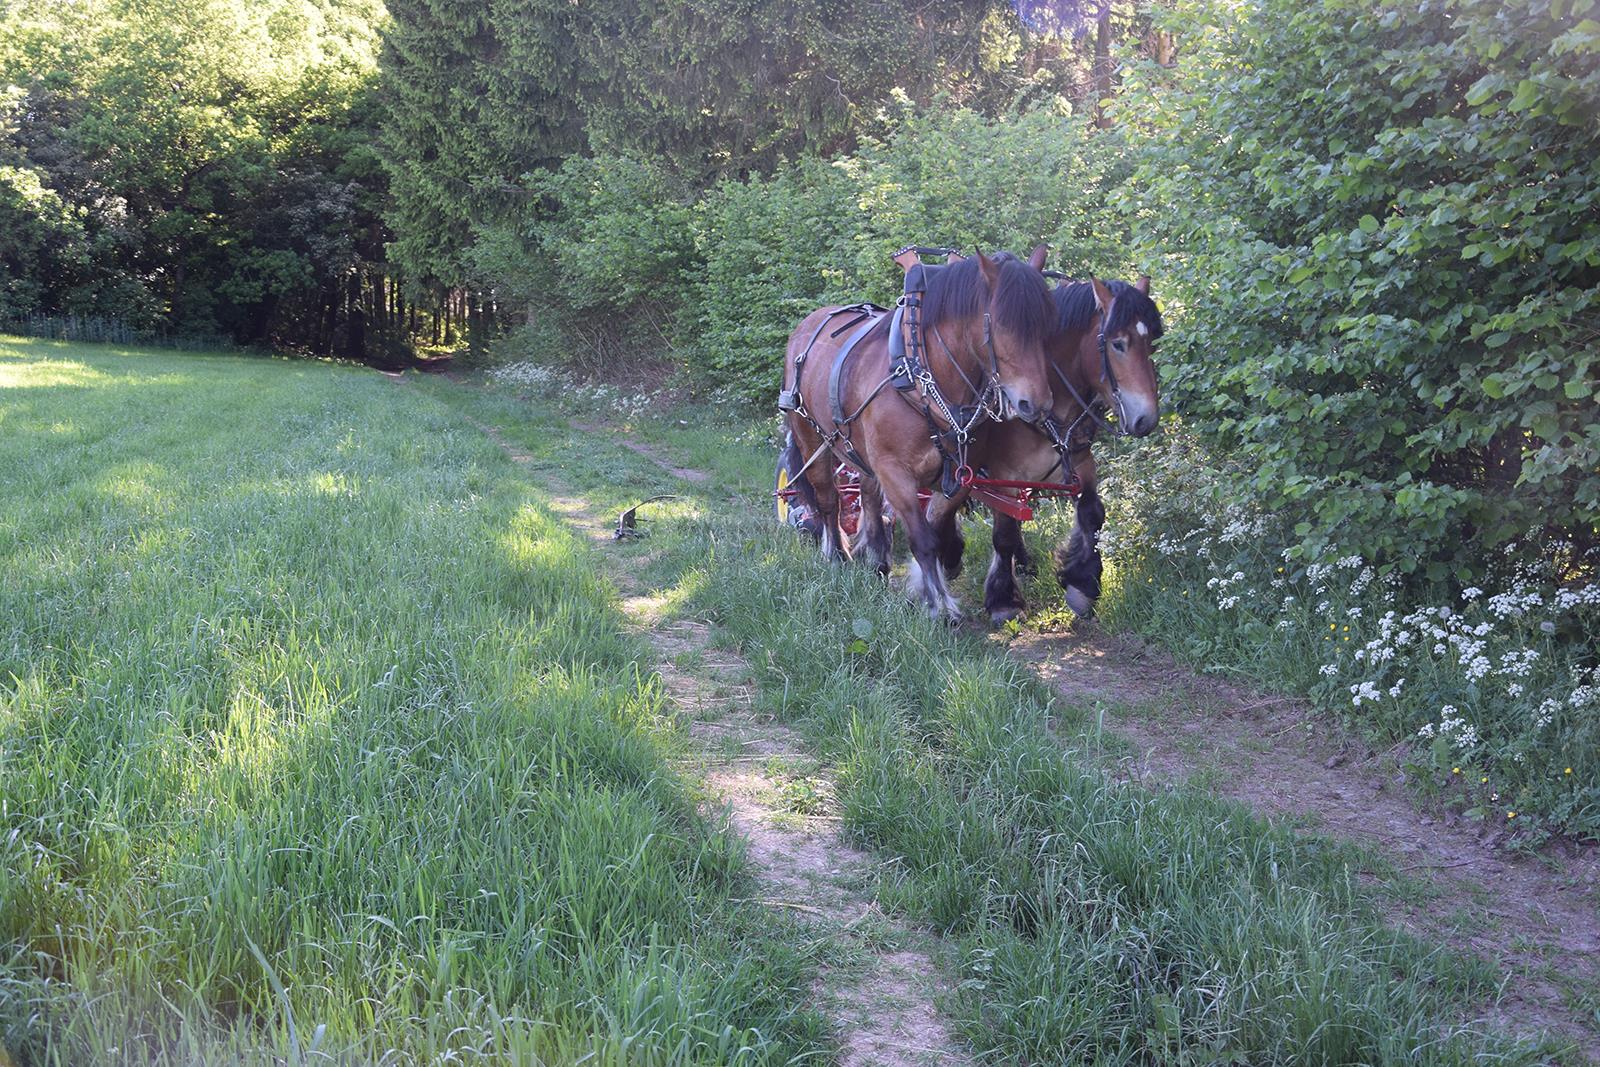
{"x": 1144, "y": 331}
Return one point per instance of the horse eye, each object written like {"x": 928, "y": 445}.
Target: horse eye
{"x": 1120, "y": 345}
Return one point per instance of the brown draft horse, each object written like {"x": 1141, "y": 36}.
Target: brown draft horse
{"x": 984, "y": 324}
{"x": 1100, "y": 361}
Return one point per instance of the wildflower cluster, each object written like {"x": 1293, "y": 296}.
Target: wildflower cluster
{"x": 575, "y": 394}
{"x": 1500, "y": 676}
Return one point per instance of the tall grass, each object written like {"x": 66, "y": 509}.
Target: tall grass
{"x": 319, "y": 735}
{"x": 1098, "y": 922}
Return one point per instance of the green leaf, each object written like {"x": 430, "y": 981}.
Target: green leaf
{"x": 1368, "y": 224}
{"x": 1526, "y": 96}
{"x": 1494, "y": 388}
{"x": 1577, "y": 390}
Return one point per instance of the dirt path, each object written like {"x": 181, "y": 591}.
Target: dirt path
{"x": 780, "y": 800}
{"x": 1538, "y": 917}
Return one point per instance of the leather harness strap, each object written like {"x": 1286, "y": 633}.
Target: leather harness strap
{"x": 841, "y": 421}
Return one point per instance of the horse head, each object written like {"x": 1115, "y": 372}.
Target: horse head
{"x": 998, "y": 309}
{"x": 1103, "y": 347}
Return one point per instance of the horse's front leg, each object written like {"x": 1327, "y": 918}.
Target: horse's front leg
{"x": 1001, "y": 597}
{"x": 826, "y": 492}
{"x": 942, "y": 515}
{"x": 1078, "y": 565}
{"x": 926, "y": 578}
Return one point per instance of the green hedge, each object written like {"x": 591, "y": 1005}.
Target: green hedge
{"x": 1379, "y": 223}
{"x": 772, "y": 249}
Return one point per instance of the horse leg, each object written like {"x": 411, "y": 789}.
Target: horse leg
{"x": 1001, "y": 597}
{"x": 927, "y": 576}
{"x": 873, "y": 541}
{"x": 1078, "y": 565}
{"x": 826, "y": 492}
{"x": 952, "y": 546}
{"x": 1021, "y": 558}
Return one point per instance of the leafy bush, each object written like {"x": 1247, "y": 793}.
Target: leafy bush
{"x": 598, "y": 255}
{"x": 1379, "y": 226}
{"x": 773, "y": 249}
{"x": 770, "y": 251}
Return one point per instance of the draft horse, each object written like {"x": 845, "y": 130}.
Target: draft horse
{"x": 1104, "y": 377}
{"x": 899, "y": 395}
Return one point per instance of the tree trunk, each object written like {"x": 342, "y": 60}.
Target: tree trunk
{"x": 1102, "y": 66}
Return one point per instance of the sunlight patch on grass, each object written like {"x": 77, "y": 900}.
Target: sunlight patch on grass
{"x": 44, "y": 374}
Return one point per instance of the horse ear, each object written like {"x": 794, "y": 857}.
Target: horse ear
{"x": 1036, "y": 260}
{"x": 1102, "y": 295}
{"x": 990, "y": 270}
{"x": 1143, "y": 284}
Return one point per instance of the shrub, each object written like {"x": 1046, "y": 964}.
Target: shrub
{"x": 773, "y": 249}
{"x": 1379, "y": 228}
{"x": 770, "y": 251}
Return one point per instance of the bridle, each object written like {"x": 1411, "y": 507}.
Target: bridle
{"x": 1088, "y": 408}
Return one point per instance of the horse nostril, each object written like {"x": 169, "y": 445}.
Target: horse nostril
{"x": 1025, "y": 408}
{"x": 1144, "y": 424}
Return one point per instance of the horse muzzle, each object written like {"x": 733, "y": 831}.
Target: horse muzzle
{"x": 1137, "y": 416}
{"x": 1023, "y": 407}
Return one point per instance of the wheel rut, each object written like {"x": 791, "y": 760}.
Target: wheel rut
{"x": 1536, "y": 917}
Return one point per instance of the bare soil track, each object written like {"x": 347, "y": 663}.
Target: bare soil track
{"x": 1537, "y": 917}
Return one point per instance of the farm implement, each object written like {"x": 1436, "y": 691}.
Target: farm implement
{"x": 1004, "y": 496}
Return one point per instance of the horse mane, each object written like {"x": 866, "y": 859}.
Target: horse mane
{"x": 957, "y": 291}
{"x": 1075, "y": 308}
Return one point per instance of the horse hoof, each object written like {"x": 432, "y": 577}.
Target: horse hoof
{"x": 1081, "y": 603}
{"x": 1002, "y": 615}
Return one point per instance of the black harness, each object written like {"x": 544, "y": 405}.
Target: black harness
{"x": 863, "y": 318}
{"x": 910, "y": 371}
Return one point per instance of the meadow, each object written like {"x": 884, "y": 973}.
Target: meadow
{"x": 322, "y": 736}
{"x": 319, "y": 735}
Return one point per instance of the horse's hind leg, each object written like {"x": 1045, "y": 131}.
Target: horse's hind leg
{"x": 1001, "y": 597}
{"x": 874, "y": 539}
{"x": 1078, "y": 564}
{"x": 825, "y": 492}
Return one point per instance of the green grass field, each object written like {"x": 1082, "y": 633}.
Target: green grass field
{"x": 320, "y": 733}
